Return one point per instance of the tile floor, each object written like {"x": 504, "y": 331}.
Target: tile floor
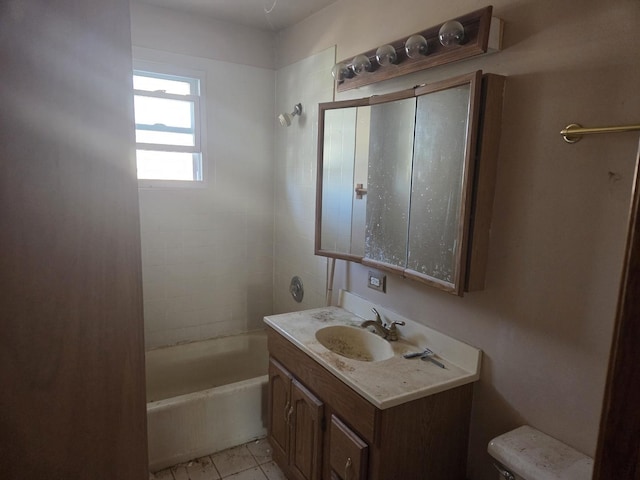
{"x": 251, "y": 461}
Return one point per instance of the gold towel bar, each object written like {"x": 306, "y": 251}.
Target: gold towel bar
{"x": 574, "y": 132}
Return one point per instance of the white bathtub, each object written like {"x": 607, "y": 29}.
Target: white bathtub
{"x": 203, "y": 397}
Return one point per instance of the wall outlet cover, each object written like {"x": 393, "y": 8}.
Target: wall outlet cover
{"x": 377, "y": 281}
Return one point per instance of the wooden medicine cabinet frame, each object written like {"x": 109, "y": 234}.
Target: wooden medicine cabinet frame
{"x": 478, "y": 181}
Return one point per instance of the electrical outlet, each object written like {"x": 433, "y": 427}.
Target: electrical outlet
{"x": 377, "y": 281}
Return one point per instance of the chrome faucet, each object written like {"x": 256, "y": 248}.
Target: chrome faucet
{"x": 389, "y": 332}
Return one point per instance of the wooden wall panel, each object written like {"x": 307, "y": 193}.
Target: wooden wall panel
{"x": 72, "y": 402}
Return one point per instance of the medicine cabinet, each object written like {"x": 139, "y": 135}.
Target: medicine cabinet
{"x": 406, "y": 180}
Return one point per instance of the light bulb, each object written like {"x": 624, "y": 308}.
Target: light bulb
{"x": 451, "y": 33}
{"x": 340, "y": 71}
{"x": 386, "y": 55}
{"x": 361, "y": 64}
{"x": 416, "y": 46}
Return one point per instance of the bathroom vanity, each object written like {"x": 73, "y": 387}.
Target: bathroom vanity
{"x": 358, "y": 409}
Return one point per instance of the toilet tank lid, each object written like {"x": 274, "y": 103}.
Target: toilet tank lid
{"x": 534, "y": 455}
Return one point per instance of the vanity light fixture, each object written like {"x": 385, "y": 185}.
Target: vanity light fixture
{"x": 463, "y": 37}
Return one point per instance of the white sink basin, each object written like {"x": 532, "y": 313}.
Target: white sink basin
{"x": 355, "y": 343}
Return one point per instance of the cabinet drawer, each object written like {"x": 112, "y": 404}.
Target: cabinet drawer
{"x": 348, "y": 454}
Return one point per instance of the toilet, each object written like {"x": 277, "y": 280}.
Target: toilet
{"x": 528, "y": 454}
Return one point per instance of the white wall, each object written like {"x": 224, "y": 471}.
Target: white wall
{"x": 295, "y": 181}
{"x": 208, "y": 252}
{"x": 544, "y": 320}
{"x": 199, "y": 36}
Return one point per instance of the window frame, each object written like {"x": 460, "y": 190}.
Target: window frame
{"x": 198, "y": 79}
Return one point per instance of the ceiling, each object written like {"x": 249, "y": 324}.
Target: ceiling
{"x": 263, "y": 14}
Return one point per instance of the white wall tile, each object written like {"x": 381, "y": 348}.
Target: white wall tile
{"x": 295, "y": 182}
{"x": 199, "y": 264}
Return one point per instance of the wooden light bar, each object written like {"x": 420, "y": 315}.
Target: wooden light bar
{"x": 477, "y": 30}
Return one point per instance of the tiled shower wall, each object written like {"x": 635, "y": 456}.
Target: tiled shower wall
{"x": 308, "y": 82}
{"x": 207, "y": 252}
{"x": 217, "y": 259}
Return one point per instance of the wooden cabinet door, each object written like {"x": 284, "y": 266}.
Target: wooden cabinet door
{"x": 306, "y": 434}
{"x": 348, "y": 454}
{"x": 280, "y": 410}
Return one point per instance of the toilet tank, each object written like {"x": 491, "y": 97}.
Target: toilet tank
{"x": 528, "y": 454}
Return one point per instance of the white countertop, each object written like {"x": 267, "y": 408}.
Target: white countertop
{"x": 389, "y": 382}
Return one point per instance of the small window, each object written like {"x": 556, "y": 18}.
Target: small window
{"x": 168, "y": 126}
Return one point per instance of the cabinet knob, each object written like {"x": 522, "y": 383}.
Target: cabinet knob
{"x": 286, "y": 413}
{"x": 347, "y": 469}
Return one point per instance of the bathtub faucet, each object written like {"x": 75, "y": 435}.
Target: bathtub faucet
{"x": 389, "y": 332}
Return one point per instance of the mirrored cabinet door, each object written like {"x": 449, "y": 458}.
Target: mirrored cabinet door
{"x": 337, "y": 173}
{"x": 389, "y": 181}
{"x": 443, "y": 153}
{"x": 339, "y": 219}
{"x": 361, "y": 168}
